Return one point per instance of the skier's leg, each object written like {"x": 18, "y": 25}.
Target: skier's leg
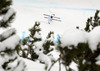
{"x": 48, "y": 20}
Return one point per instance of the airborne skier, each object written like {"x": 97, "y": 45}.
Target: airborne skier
{"x": 50, "y": 18}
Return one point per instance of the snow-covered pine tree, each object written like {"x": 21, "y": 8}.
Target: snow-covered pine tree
{"x": 6, "y": 13}
{"x": 27, "y": 47}
{"x": 49, "y": 41}
{"x": 81, "y": 47}
{"x": 9, "y": 60}
{"x": 92, "y": 22}
{"x": 34, "y": 48}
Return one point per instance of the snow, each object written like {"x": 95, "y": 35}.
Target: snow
{"x": 42, "y": 57}
{"x": 20, "y": 53}
{"x": 29, "y": 55}
{"x": 74, "y": 66}
{"x": 24, "y": 47}
{"x": 94, "y": 38}
{"x": 27, "y": 16}
{"x": 33, "y": 66}
{"x": 26, "y": 51}
{"x": 25, "y": 19}
{"x": 8, "y": 33}
{"x": 84, "y": 61}
{"x": 10, "y": 43}
{"x": 2, "y": 60}
{"x": 54, "y": 55}
{"x": 37, "y": 35}
{"x": 73, "y": 37}
{"x": 1, "y": 17}
{"x": 6, "y": 57}
{"x": 12, "y": 64}
{"x": 1, "y": 69}
{"x": 39, "y": 44}
{"x": 98, "y": 60}
{"x": 31, "y": 39}
{"x": 8, "y": 14}
{"x": 20, "y": 67}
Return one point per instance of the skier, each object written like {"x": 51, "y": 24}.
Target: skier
{"x": 50, "y": 18}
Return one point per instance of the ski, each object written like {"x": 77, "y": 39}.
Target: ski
{"x": 50, "y": 15}
{"x": 54, "y": 19}
{"x": 46, "y": 15}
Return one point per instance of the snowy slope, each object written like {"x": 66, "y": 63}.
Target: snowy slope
{"x": 35, "y": 66}
{"x": 26, "y": 17}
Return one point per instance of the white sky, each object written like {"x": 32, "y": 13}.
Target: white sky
{"x": 60, "y": 4}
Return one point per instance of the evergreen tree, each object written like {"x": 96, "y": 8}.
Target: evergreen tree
{"x": 27, "y": 47}
{"x": 6, "y": 12}
{"x": 9, "y": 60}
{"x": 92, "y": 22}
{"x": 49, "y": 41}
{"x": 36, "y": 49}
{"x": 82, "y": 53}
